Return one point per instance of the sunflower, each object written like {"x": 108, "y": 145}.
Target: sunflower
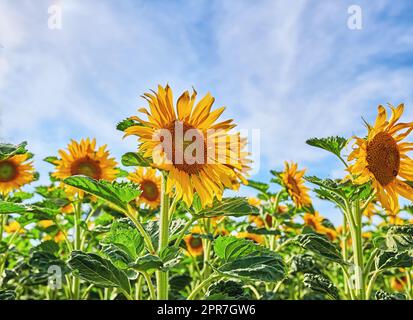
{"x": 150, "y": 185}
{"x": 398, "y": 284}
{"x": 13, "y": 227}
{"x": 15, "y": 172}
{"x": 293, "y": 181}
{"x": 190, "y": 145}
{"x": 315, "y": 221}
{"x": 194, "y": 242}
{"x": 84, "y": 159}
{"x": 382, "y": 159}
{"x": 251, "y": 236}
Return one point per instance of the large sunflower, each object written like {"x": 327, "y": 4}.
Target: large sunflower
{"x": 84, "y": 159}
{"x": 293, "y": 181}
{"x": 14, "y": 173}
{"x": 382, "y": 159}
{"x": 150, "y": 185}
{"x": 172, "y": 134}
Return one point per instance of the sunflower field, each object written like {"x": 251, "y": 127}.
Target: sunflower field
{"x": 158, "y": 223}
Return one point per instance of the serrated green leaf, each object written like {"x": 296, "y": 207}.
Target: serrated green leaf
{"x": 134, "y": 159}
{"x": 388, "y": 259}
{"x": 147, "y": 262}
{"x": 124, "y": 124}
{"x": 51, "y": 159}
{"x": 400, "y": 238}
{"x": 94, "y": 269}
{"x": 126, "y": 238}
{"x": 331, "y": 144}
{"x": 320, "y": 245}
{"x": 7, "y": 295}
{"x": 260, "y": 186}
{"x": 119, "y": 194}
{"x": 382, "y": 295}
{"x": 320, "y": 284}
{"x": 304, "y": 263}
{"x": 10, "y": 207}
{"x": 235, "y": 207}
{"x": 226, "y": 290}
{"x": 229, "y": 248}
{"x": 8, "y": 150}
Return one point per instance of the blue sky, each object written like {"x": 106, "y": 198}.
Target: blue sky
{"x": 292, "y": 69}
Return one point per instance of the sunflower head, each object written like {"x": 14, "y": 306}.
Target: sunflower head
{"x": 197, "y": 152}
{"x": 194, "y": 242}
{"x": 150, "y": 185}
{"x": 83, "y": 158}
{"x": 293, "y": 181}
{"x": 15, "y": 172}
{"x": 382, "y": 159}
{"x": 398, "y": 283}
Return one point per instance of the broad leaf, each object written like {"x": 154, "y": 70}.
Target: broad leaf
{"x": 134, "y": 159}
{"x": 320, "y": 284}
{"x": 320, "y": 245}
{"x": 388, "y": 259}
{"x": 10, "y": 207}
{"x": 229, "y": 248}
{"x": 236, "y": 207}
{"x": 8, "y": 150}
{"x": 400, "y": 238}
{"x": 119, "y": 194}
{"x": 260, "y": 186}
{"x": 7, "y": 295}
{"x": 147, "y": 262}
{"x": 304, "y": 263}
{"x": 92, "y": 268}
{"x": 331, "y": 144}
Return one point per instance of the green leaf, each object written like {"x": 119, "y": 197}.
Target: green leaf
{"x": 92, "y": 268}
{"x": 400, "y": 238}
{"x": 124, "y": 124}
{"x": 48, "y": 246}
{"x": 229, "y": 248}
{"x": 226, "y": 290}
{"x": 304, "y": 263}
{"x": 320, "y": 245}
{"x": 236, "y": 207}
{"x": 125, "y": 237}
{"x": 10, "y": 207}
{"x": 388, "y": 259}
{"x": 245, "y": 259}
{"x": 266, "y": 266}
{"x": 51, "y": 159}
{"x": 331, "y": 144}
{"x": 320, "y": 284}
{"x": 119, "y": 194}
{"x": 383, "y": 295}
{"x": 263, "y": 231}
{"x": 260, "y": 186}
{"x": 134, "y": 159}
{"x": 8, "y": 150}
{"x": 147, "y": 262}
{"x": 119, "y": 257}
{"x": 7, "y": 295}
{"x": 42, "y": 260}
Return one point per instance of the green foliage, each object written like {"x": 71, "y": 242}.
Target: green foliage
{"x": 236, "y": 207}
{"x": 383, "y": 295}
{"x": 260, "y": 186}
{"x": 7, "y": 295}
{"x": 124, "y": 124}
{"x": 92, "y": 268}
{"x": 118, "y": 194}
{"x": 330, "y": 144}
{"x": 388, "y": 259}
{"x": 400, "y": 238}
{"x": 226, "y": 290}
{"x": 134, "y": 159}
{"x": 320, "y": 284}
{"x": 320, "y": 245}
{"x": 304, "y": 263}
{"x": 8, "y": 150}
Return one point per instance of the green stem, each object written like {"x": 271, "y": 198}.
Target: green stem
{"x": 355, "y": 228}
{"x": 162, "y": 276}
{"x": 77, "y": 245}
{"x": 371, "y": 284}
{"x": 202, "y": 285}
{"x": 131, "y": 214}
{"x": 151, "y": 288}
{"x": 184, "y": 230}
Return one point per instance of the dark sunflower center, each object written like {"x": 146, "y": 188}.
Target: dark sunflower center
{"x": 383, "y": 158}
{"x": 195, "y": 242}
{"x": 8, "y": 171}
{"x": 293, "y": 185}
{"x": 149, "y": 190}
{"x": 188, "y": 151}
{"x": 87, "y": 167}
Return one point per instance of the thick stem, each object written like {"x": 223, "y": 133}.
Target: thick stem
{"x": 162, "y": 276}
{"x": 355, "y": 229}
{"x": 151, "y": 288}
